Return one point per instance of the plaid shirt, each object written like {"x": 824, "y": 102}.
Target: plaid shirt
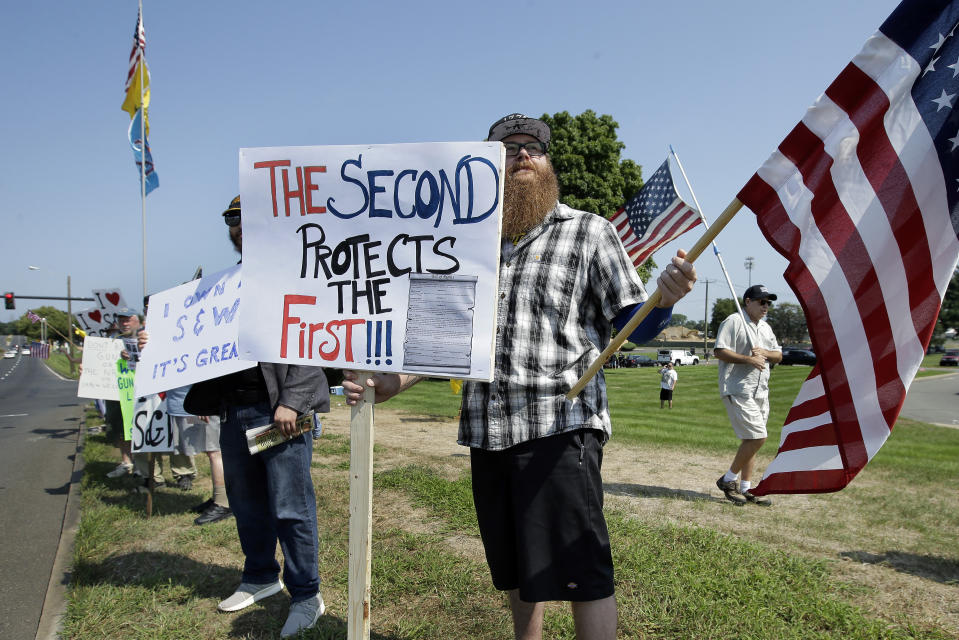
{"x": 559, "y": 289}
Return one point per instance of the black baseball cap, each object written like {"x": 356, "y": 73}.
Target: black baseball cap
{"x": 758, "y": 292}
{"x": 518, "y": 123}
{"x": 234, "y": 206}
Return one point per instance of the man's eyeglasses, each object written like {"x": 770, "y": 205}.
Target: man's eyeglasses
{"x": 765, "y": 303}
{"x": 534, "y": 148}
{"x": 232, "y": 219}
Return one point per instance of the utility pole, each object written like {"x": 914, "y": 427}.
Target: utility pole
{"x": 749, "y": 269}
{"x": 73, "y": 365}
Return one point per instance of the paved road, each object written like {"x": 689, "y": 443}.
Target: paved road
{"x": 39, "y": 420}
{"x": 934, "y": 399}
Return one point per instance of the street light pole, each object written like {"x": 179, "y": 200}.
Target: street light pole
{"x": 70, "y": 329}
{"x": 749, "y": 269}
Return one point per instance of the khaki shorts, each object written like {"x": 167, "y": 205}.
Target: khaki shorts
{"x": 194, "y": 436}
{"x": 748, "y": 415}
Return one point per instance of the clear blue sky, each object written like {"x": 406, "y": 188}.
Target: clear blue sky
{"x": 723, "y": 82}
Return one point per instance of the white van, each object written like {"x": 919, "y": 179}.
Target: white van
{"x": 677, "y": 357}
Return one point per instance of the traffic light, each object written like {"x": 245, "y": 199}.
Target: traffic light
{"x": 8, "y": 300}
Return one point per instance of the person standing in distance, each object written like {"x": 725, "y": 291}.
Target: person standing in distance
{"x": 667, "y": 384}
{"x": 745, "y": 351}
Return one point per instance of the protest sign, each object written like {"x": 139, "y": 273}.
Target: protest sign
{"x": 93, "y": 322}
{"x": 127, "y": 398}
{"x": 109, "y": 299}
{"x": 152, "y": 426}
{"x": 374, "y": 257}
{"x": 99, "y": 377}
{"x": 193, "y": 334}
{"x": 109, "y": 302}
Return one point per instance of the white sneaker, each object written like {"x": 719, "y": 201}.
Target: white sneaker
{"x": 303, "y": 615}
{"x": 248, "y": 593}
{"x": 121, "y": 470}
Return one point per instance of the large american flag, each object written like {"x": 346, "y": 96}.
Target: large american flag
{"x": 653, "y": 217}
{"x": 862, "y": 197}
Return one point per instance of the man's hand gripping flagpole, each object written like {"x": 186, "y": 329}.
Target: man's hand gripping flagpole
{"x": 654, "y": 299}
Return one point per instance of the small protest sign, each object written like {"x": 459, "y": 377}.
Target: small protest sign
{"x": 152, "y": 426}
{"x": 124, "y": 379}
{"x": 99, "y": 377}
{"x": 109, "y": 302}
{"x": 193, "y": 334}
{"x": 93, "y": 322}
{"x": 375, "y": 257}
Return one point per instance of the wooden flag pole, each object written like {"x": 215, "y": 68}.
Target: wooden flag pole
{"x": 654, "y": 299}
{"x": 361, "y": 513}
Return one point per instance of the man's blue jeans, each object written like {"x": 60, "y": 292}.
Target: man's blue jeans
{"x": 271, "y": 494}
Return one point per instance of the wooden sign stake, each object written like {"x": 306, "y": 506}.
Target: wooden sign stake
{"x": 361, "y": 513}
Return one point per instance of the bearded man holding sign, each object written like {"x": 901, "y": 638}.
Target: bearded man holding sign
{"x": 564, "y": 282}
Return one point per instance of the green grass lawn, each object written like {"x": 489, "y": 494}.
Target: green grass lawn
{"x": 160, "y": 579}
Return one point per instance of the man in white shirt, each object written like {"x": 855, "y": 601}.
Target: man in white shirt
{"x": 745, "y": 351}
{"x": 669, "y": 377}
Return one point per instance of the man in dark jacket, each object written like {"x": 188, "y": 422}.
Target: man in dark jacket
{"x": 271, "y": 492}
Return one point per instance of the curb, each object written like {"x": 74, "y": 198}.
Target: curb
{"x": 55, "y": 601}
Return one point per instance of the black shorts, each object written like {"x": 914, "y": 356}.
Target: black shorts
{"x": 114, "y": 419}
{"x": 540, "y": 511}
{"x": 665, "y": 394}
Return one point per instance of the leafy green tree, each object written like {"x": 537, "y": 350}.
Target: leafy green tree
{"x": 57, "y": 323}
{"x": 787, "y": 322}
{"x": 585, "y": 152}
{"x": 678, "y": 320}
{"x": 721, "y": 308}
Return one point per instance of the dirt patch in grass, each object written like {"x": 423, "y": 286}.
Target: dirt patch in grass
{"x": 900, "y": 576}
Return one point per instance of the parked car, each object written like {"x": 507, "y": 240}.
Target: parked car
{"x": 638, "y": 360}
{"x": 798, "y": 356}
{"x": 950, "y": 358}
{"x": 677, "y": 357}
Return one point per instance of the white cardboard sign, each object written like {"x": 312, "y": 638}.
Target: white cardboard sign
{"x": 374, "y": 257}
{"x": 152, "y": 426}
{"x": 193, "y": 334}
{"x": 99, "y": 377}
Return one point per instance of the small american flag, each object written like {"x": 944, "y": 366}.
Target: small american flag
{"x": 137, "y": 97}
{"x": 653, "y": 217}
{"x": 34, "y": 318}
{"x": 139, "y": 44}
{"x": 861, "y": 198}
{"x": 39, "y": 350}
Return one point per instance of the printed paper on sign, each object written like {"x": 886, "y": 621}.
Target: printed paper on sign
{"x": 376, "y": 257}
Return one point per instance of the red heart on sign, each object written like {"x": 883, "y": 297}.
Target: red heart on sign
{"x": 114, "y": 298}
{"x": 95, "y": 315}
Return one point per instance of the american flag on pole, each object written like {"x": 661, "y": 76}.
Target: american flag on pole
{"x": 653, "y": 217}
{"x": 862, "y": 197}
{"x": 39, "y": 350}
{"x": 34, "y": 318}
{"x": 137, "y": 72}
